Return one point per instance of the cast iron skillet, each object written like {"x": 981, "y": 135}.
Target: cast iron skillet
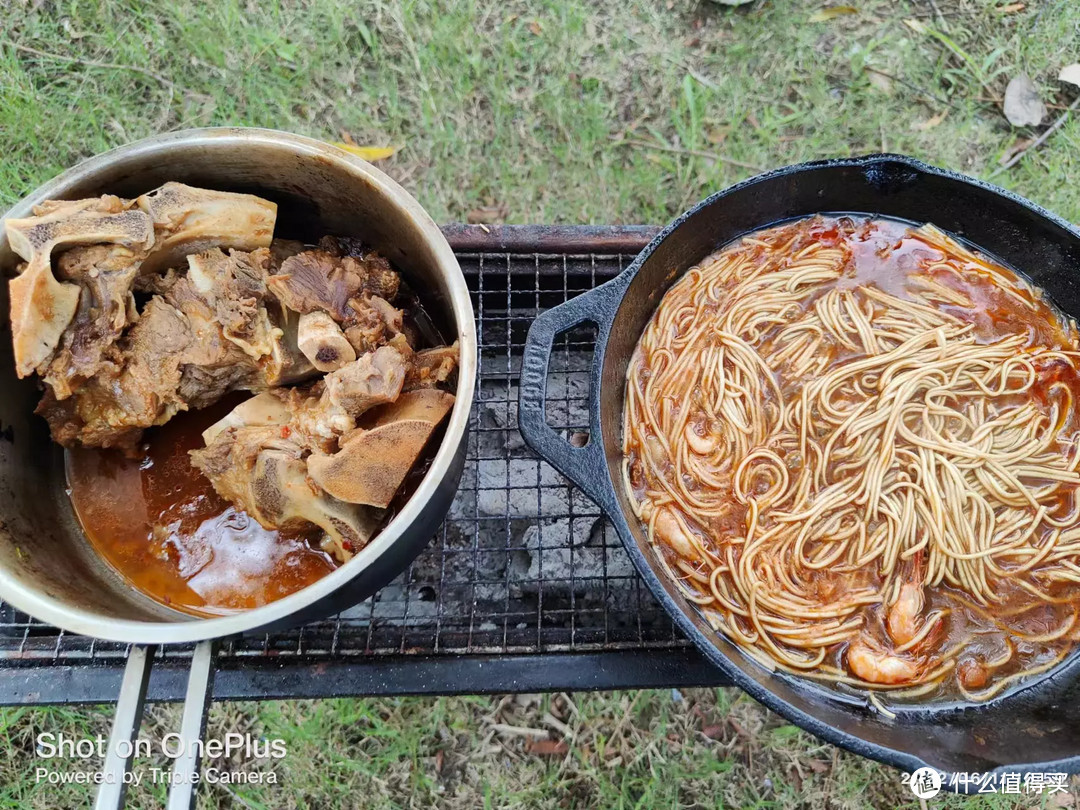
{"x": 1033, "y": 728}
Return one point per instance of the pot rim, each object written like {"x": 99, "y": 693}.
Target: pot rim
{"x": 190, "y": 629}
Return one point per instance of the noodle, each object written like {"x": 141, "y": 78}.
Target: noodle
{"x": 855, "y": 446}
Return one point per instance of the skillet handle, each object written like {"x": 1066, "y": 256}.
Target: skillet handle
{"x": 585, "y": 466}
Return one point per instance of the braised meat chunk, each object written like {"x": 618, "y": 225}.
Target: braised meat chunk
{"x": 320, "y": 426}
{"x": 264, "y": 474}
{"x": 319, "y": 280}
{"x": 104, "y": 275}
{"x": 134, "y": 310}
{"x": 209, "y": 334}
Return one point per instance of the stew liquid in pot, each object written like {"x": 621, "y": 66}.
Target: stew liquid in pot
{"x": 159, "y": 523}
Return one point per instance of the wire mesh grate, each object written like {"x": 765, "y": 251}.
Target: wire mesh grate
{"x": 524, "y": 562}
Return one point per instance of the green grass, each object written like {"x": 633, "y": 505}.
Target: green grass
{"x": 570, "y": 112}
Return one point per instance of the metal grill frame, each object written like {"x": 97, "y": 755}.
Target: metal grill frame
{"x": 476, "y": 612}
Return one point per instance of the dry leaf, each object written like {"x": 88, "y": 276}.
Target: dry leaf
{"x": 534, "y": 26}
{"x": 713, "y": 732}
{"x": 930, "y": 123}
{"x": 1070, "y": 74}
{"x": 367, "y": 152}
{"x": 1022, "y": 105}
{"x": 556, "y": 748}
{"x": 1018, "y": 146}
{"x": 832, "y": 12}
{"x": 487, "y": 215}
{"x": 1011, "y": 8}
{"x": 71, "y": 32}
{"x": 882, "y": 84}
{"x": 717, "y": 135}
{"x": 915, "y": 25}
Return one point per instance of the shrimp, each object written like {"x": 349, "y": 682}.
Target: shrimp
{"x": 972, "y": 672}
{"x": 673, "y": 532}
{"x": 904, "y": 618}
{"x": 911, "y": 634}
{"x": 904, "y": 621}
{"x": 869, "y": 660}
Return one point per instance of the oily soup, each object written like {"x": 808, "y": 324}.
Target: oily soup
{"x": 854, "y": 443}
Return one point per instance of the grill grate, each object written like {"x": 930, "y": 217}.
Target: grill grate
{"x": 523, "y": 564}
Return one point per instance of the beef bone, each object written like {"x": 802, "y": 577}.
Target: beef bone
{"x": 41, "y": 306}
{"x": 372, "y": 463}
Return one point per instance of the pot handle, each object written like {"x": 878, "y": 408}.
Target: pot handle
{"x": 125, "y": 728}
{"x": 183, "y": 790}
{"x": 585, "y": 466}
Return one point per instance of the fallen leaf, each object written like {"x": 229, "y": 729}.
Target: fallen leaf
{"x": 739, "y": 728}
{"x": 882, "y": 84}
{"x": 1018, "y": 146}
{"x": 535, "y": 28}
{"x": 816, "y": 765}
{"x": 1011, "y": 8}
{"x": 439, "y": 758}
{"x": 71, "y": 32}
{"x": 1022, "y": 105}
{"x": 487, "y": 215}
{"x": 557, "y": 748}
{"x": 831, "y": 13}
{"x": 930, "y": 123}
{"x": 714, "y": 732}
{"x": 915, "y": 25}
{"x": 367, "y": 152}
{"x": 717, "y": 135}
{"x": 1070, "y": 74}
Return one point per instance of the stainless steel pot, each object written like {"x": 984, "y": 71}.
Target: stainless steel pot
{"x": 47, "y": 567}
